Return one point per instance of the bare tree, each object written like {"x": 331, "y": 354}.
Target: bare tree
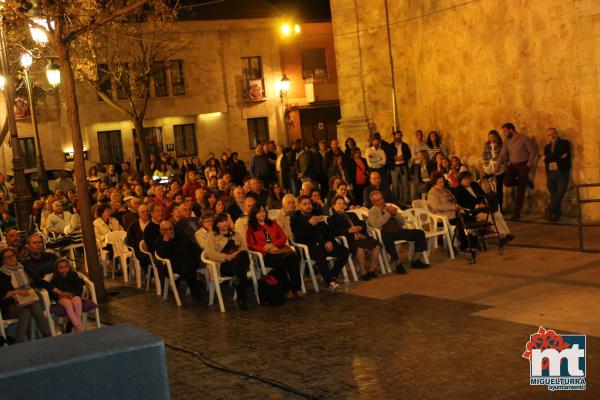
{"x": 129, "y": 54}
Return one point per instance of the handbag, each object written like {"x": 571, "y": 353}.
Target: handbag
{"x": 270, "y": 291}
{"x": 25, "y": 300}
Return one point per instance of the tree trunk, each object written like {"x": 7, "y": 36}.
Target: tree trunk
{"x": 143, "y": 147}
{"x": 83, "y": 202}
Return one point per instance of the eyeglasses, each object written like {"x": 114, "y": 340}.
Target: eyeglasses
{"x": 167, "y": 229}
{"x": 11, "y": 256}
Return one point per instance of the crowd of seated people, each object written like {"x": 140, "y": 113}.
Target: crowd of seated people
{"x": 222, "y": 207}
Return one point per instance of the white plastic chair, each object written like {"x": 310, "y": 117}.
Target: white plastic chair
{"x": 438, "y": 221}
{"x": 272, "y": 214}
{"x": 89, "y": 292}
{"x": 170, "y": 280}
{"x": 363, "y": 214}
{"x": 151, "y": 269}
{"x": 215, "y": 279}
{"x": 121, "y": 253}
{"x": 305, "y": 262}
{"x": 5, "y": 323}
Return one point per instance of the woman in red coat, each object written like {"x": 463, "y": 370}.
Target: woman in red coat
{"x": 266, "y": 237}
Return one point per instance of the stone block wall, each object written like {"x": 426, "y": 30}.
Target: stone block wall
{"x": 463, "y": 68}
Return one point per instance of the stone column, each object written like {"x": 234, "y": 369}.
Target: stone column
{"x": 587, "y": 42}
{"x": 354, "y": 122}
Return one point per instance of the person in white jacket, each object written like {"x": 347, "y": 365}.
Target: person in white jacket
{"x": 103, "y": 225}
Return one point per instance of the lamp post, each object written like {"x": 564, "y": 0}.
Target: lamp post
{"x": 26, "y": 61}
{"x": 23, "y": 199}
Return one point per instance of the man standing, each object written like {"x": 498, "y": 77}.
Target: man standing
{"x": 259, "y": 165}
{"x": 63, "y": 182}
{"x": 521, "y": 155}
{"x": 557, "y": 157}
{"x": 376, "y": 159}
{"x": 397, "y": 156}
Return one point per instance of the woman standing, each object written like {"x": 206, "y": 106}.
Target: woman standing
{"x": 435, "y": 146}
{"x": 491, "y": 150}
{"x": 227, "y": 247}
{"x": 18, "y": 300}
{"x": 359, "y": 174}
{"x": 267, "y": 237}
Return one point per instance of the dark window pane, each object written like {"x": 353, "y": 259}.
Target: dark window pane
{"x": 253, "y": 82}
{"x": 104, "y": 82}
{"x": 160, "y": 80}
{"x": 185, "y": 140}
{"x": 28, "y": 151}
{"x": 314, "y": 64}
{"x": 123, "y": 89}
{"x": 258, "y": 131}
{"x": 110, "y": 146}
{"x": 153, "y": 140}
{"x": 177, "y": 82}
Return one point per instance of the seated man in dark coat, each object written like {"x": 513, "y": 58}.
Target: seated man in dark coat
{"x": 315, "y": 233}
{"x": 39, "y": 263}
{"x": 183, "y": 254}
{"x": 135, "y": 234}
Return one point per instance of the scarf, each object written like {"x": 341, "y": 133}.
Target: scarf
{"x": 18, "y": 277}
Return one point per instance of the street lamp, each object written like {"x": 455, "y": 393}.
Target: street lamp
{"x": 23, "y": 198}
{"x": 26, "y": 61}
{"x": 38, "y": 30}
{"x": 53, "y": 74}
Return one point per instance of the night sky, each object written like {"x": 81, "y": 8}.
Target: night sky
{"x": 304, "y": 10}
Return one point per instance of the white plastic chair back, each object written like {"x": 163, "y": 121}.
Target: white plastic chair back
{"x": 272, "y": 214}
{"x": 169, "y": 280}
{"x": 142, "y": 247}
{"x": 421, "y": 204}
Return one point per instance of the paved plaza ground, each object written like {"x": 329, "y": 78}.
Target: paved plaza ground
{"x": 454, "y": 331}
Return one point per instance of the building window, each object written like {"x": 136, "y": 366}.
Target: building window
{"x": 253, "y": 84}
{"x": 314, "y": 64}
{"x": 153, "y": 140}
{"x": 258, "y": 131}
{"x": 185, "y": 140}
{"x": 160, "y": 80}
{"x": 111, "y": 147}
{"x": 123, "y": 89}
{"x": 28, "y": 151}
{"x": 177, "y": 82}
{"x": 104, "y": 83}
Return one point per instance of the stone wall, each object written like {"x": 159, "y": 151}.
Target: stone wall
{"x": 463, "y": 68}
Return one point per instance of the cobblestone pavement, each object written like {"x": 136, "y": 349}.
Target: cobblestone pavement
{"x": 392, "y": 338}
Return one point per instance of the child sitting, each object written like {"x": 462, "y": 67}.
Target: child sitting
{"x": 68, "y": 281}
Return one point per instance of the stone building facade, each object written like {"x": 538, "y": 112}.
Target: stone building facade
{"x": 463, "y": 68}
{"x": 214, "y": 106}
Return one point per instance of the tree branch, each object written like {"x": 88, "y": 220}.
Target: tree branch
{"x": 97, "y": 22}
